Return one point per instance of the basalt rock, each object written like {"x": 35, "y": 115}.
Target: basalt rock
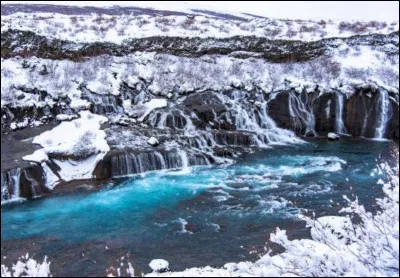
{"x": 26, "y": 182}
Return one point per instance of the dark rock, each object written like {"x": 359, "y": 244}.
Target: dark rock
{"x": 333, "y": 137}
{"x": 192, "y": 228}
{"x": 43, "y": 70}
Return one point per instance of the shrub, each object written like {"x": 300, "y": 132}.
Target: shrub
{"x": 163, "y": 20}
{"x": 74, "y": 20}
{"x": 308, "y": 29}
{"x": 188, "y": 23}
{"x": 291, "y": 33}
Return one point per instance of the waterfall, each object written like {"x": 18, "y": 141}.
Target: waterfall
{"x": 383, "y": 115}
{"x": 184, "y": 161}
{"x": 300, "y": 113}
{"x": 256, "y": 120}
{"x": 10, "y": 185}
{"x": 131, "y": 163}
{"x": 102, "y": 104}
{"x": 34, "y": 185}
{"x": 339, "y": 125}
{"x": 328, "y": 109}
{"x": 161, "y": 160}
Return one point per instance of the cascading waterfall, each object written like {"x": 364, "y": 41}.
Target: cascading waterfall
{"x": 257, "y": 120}
{"x": 35, "y": 190}
{"x": 184, "y": 161}
{"x": 161, "y": 159}
{"x": 300, "y": 113}
{"x": 248, "y": 122}
{"x": 339, "y": 125}
{"x": 102, "y": 104}
{"x": 383, "y": 115}
{"x": 10, "y": 183}
{"x": 273, "y": 134}
{"x": 130, "y": 163}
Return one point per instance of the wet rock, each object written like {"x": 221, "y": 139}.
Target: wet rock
{"x": 243, "y": 186}
{"x": 192, "y": 228}
{"x": 234, "y": 138}
{"x": 333, "y": 136}
{"x": 324, "y": 109}
{"x": 43, "y": 70}
{"x": 206, "y": 106}
{"x": 278, "y": 109}
{"x": 360, "y": 113}
{"x": 310, "y": 133}
{"x": 27, "y": 182}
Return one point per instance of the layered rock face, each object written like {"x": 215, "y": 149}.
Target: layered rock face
{"x": 205, "y": 101}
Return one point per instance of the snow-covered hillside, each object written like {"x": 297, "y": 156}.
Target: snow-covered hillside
{"x": 117, "y": 28}
{"x": 171, "y": 76}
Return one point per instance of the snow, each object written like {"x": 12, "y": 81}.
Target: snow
{"x": 27, "y": 267}
{"x": 78, "y": 170}
{"x": 214, "y": 73}
{"x": 153, "y": 141}
{"x": 38, "y": 156}
{"x": 76, "y": 147}
{"x": 80, "y": 104}
{"x": 116, "y": 29}
{"x": 209, "y": 73}
{"x": 159, "y": 265}
{"x": 64, "y": 117}
{"x": 153, "y": 104}
{"x": 80, "y": 137}
{"x": 51, "y": 179}
{"x": 333, "y": 136}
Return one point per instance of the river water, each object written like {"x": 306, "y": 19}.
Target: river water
{"x": 195, "y": 216}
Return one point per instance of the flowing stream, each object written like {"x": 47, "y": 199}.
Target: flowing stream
{"x": 194, "y": 216}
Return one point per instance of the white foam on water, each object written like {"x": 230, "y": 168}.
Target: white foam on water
{"x": 222, "y": 196}
{"x": 276, "y": 205}
{"x": 183, "y": 223}
{"x": 217, "y": 227}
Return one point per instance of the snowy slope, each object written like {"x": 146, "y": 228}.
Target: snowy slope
{"x": 102, "y": 25}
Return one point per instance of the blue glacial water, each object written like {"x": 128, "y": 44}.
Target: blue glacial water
{"x": 208, "y": 215}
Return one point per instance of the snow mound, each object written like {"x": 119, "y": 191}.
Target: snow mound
{"x": 159, "y": 265}
{"x": 76, "y": 147}
{"x": 79, "y": 138}
{"x": 153, "y": 141}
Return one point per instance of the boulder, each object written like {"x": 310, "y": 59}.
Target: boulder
{"x": 153, "y": 141}
{"x": 333, "y": 136}
{"x": 159, "y": 265}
